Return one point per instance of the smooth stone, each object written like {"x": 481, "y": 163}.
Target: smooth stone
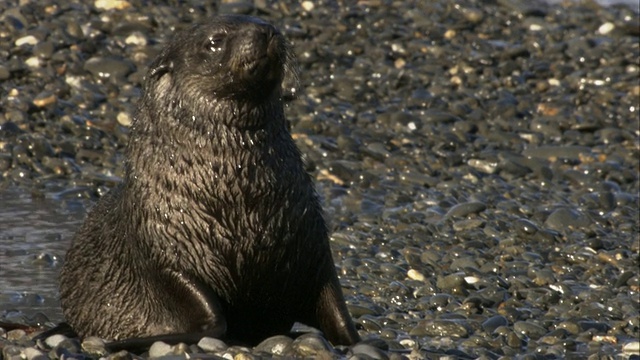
{"x": 528, "y": 329}
{"x": 34, "y": 354}
{"x": 465, "y": 209}
{"x": 567, "y": 219}
{"x": 370, "y": 351}
{"x": 94, "y": 345}
{"x": 492, "y": 323}
{"x": 160, "y": 349}
{"x": 440, "y": 328}
{"x": 210, "y": 344}
{"x": 55, "y": 340}
{"x": 311, "y": 345}
{"x": 275, "y": 345}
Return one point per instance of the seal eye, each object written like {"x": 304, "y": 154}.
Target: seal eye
{"x": 215, "y": 42}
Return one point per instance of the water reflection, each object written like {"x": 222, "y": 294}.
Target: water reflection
{"x": 34, "y": 235}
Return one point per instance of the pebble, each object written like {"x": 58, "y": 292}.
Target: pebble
{"x": 55, "y": 340}
{"x": 160, "y": 349}
{"x": 34, "y": 354}
{"x": 465, "y": 209}
{"x": 212, "y": 345}
{"x": 441, "y": 328}
{"x": 275, "y": 345}
{"x": 567, "y": 219}
{"x": 26, "y": 40}
{"x": 492, "y": 323}
{"x": 311, "y": 345}
{"x": 369, "y": 351}
{"x": 94, "y": 345}
{"x": 111, "y": 4}
{"x": 529, "y": 329}
{"x": 102, "y": 67}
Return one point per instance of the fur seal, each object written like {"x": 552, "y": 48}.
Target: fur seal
{"x": 216, "y": 228}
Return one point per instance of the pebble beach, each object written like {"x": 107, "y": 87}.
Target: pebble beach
{"x": 478, "y": 164}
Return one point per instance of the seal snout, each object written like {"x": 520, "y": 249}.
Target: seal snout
{"x": 258, "y": 52}
{"x": 256, "y": 42}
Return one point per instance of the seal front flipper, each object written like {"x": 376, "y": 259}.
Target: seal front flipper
{"x": 190, "y": 306}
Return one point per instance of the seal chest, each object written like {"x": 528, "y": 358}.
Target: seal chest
{"x": 216, "y": 229}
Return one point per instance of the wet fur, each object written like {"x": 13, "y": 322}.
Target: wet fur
{"x": 216, "y": 229}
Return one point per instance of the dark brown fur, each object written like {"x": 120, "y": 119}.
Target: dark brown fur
{"x": 216, "y": 229}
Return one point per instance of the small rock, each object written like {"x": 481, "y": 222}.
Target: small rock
{"x": 111, "y": 4}
{"x": 275, "y": 345}
{"x": 26, "y": 40}
{"x": 209, "y": 344}
{"x": 159, "y": 349}
{"x": 55, "y": 340}
{"x": 44, "y": 99}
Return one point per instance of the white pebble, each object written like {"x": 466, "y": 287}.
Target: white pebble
{"x": 210, "y": 344}
{"x": 554, "y": 82}
{"x": 55, "y": 340}
{"x": 415, "y": 275}
{"x": 535, "y": 27}
{"x": 606, "y": 28}
{"x": 137, "y": 39}
{"x": 408, "y": 343}
{"x": 471, "y": 279}
{"x": 33, "y": 62}
{"x": 111, "y": 4}
{"x": 124, "y": 119}
{"x": 159, "y": 349}
{"x": 73, "y": 81}
{"x": 27, "y": 40}
{"x": 632, "y": 348}
{"x": 307, "y": 5}
{"x": 34, "y": 354}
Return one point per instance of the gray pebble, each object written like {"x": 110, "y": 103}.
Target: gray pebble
{"x": 55, "y": 340}
{"x": 94, "y": 345}
{"x": 275, "y": 345}
{"x": 34, "y": 354}
{"x": 209, "y": 344}
{"x": 441, "y": 328}
{"x": 465, "y": 209}
{"x": 311, "y": 345}
{"x": 492, "y": 323}
{"x": 370, "y": 351}
{"x": 160, "y": 349}
{"x": 529, "y": 329}
{"x": 105, "y": 68}
{"x": 566, "y": 219}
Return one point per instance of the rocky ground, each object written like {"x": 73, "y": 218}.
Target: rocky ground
{"x": 478, "y": 161}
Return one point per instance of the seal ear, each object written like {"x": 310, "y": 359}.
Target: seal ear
{"x": 159, "y": 70}
{"x": 158, "y": 77}
{"x": 291, "y": 80}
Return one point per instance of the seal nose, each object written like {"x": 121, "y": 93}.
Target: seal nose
{"x": 254, "y": 40}
{"x": 263, "y": 33}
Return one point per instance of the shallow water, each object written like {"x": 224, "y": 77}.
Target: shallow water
{"x": 34, "y": 234}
